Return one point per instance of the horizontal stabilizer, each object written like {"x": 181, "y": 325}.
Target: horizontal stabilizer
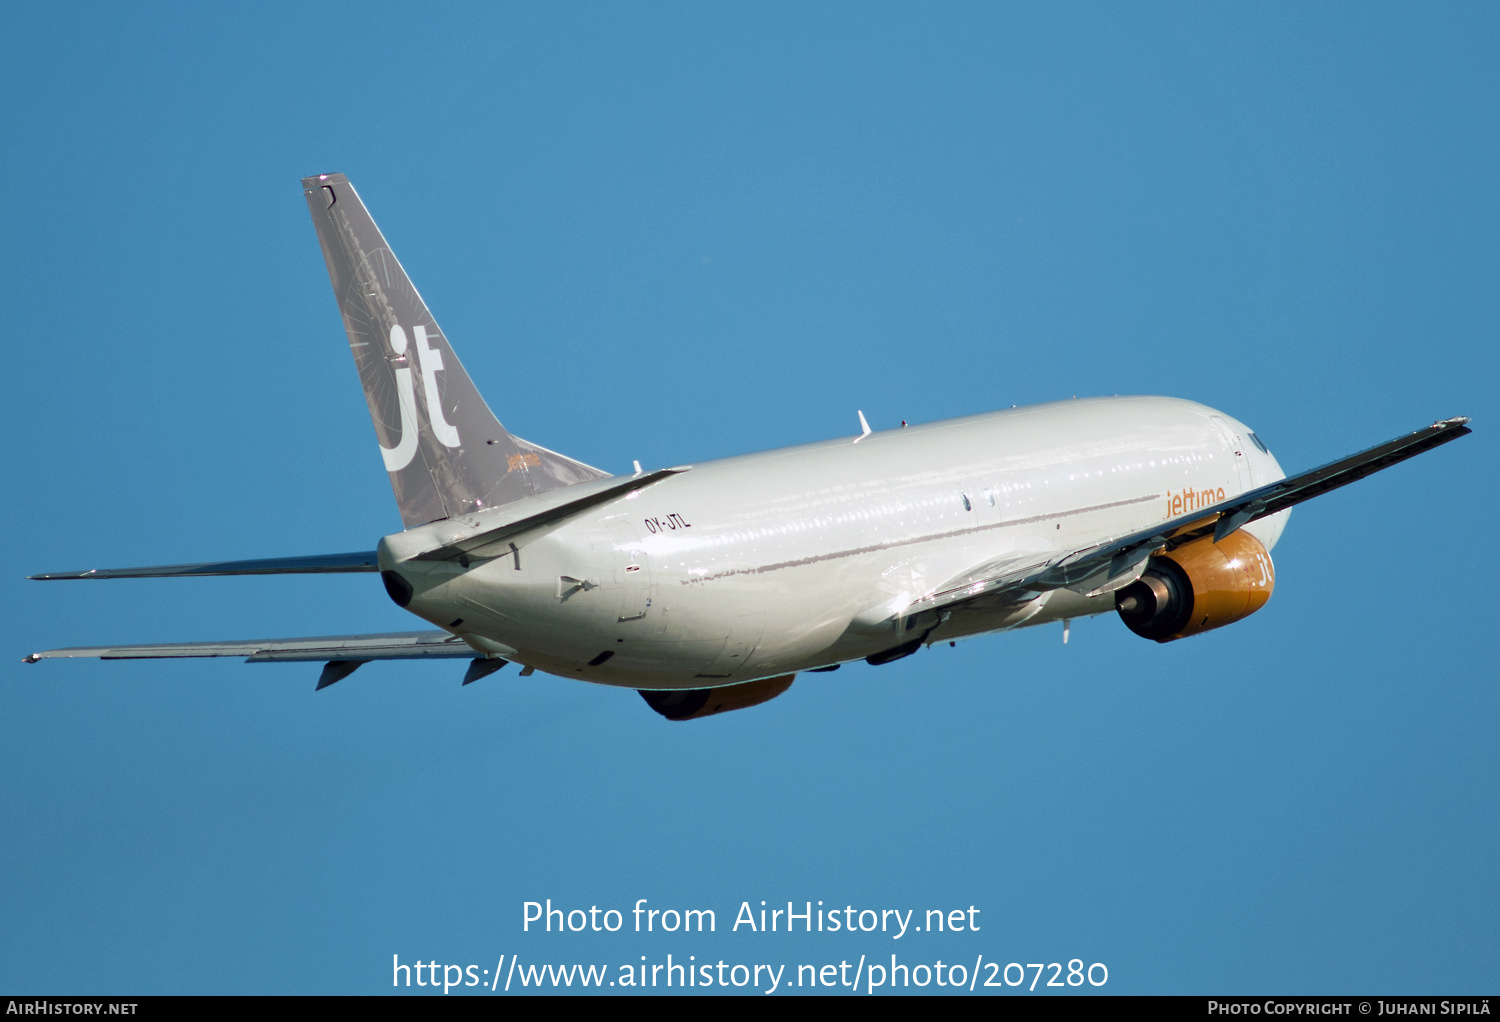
{"x": 488, "y": 540}
{"x": 318, "y": 564}
{"x": 389, "y": 646}
{"x": 1098, "y": 567}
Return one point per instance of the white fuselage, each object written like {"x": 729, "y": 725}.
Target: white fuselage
{"x": 770, "y": 563}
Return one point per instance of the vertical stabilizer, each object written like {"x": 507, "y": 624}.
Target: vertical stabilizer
{"x": 445, "y": 451}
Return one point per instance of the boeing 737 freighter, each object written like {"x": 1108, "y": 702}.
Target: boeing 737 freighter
{"x": 708, "y": 587}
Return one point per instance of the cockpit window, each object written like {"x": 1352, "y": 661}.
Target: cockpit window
{"x": 1258, "y": 442}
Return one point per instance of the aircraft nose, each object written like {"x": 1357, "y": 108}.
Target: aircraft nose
{"x": 1264, "y": 468}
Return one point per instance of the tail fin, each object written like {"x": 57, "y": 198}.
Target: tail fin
{"x": 446, "y": 452}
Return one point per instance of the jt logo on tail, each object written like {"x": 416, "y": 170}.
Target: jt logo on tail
{"x": 403, "y": 389}
{"x": 431, "y": 360}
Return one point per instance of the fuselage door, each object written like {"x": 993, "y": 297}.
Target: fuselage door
{"x": 624, "y": 562}
{"x": 635, "y": 592}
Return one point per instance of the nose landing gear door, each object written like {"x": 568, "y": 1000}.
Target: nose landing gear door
{"x": 623, "y": 561}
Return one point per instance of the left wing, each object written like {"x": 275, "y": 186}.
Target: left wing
{"x": 343, "y": 654}
{"x": 1116, "y": 563}
{"x": 317, "y": 564}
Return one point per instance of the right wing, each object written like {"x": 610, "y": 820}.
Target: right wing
{"x": 1117, "y": 562}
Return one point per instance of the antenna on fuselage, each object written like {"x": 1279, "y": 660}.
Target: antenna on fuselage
{"x": 864, "y": 428}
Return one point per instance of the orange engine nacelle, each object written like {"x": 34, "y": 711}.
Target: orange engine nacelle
{"x": 692, "y": 703}
{"x": 1199, "y": 586}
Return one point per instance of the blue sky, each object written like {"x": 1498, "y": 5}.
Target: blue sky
{"x": 689, "y": 231}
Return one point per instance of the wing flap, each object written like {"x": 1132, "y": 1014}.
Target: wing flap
{"x": 489, "y": 541}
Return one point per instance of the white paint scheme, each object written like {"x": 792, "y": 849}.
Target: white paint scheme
{"x": 760, "y": 566}
{"x": 803, "y": 557}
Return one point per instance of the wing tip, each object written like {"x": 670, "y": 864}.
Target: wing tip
{"x": 1444, "y": 430}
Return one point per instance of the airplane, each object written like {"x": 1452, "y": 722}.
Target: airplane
{"x": 708, "y": 587}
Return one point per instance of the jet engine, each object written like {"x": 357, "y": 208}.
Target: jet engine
{"x": 1199, "y": 586}
{"x": 688, "y": 704}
